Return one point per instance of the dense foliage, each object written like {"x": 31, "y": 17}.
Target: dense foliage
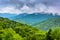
{"x": 49, "y": 23}
{"x": 11, "y": 30}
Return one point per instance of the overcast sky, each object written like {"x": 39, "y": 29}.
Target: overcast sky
{"x": 29, "y": 6}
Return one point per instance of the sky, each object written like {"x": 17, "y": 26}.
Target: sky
{"x": 29, "y": 6}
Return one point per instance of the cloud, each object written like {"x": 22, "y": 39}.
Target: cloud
{"x": 26, "y": 9}
{"x": 30, "y": 3}
{"x": 10, "y": 10}
{"x": 29, "y": 6}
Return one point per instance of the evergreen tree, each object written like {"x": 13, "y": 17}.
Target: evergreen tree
{"x": 48, "y": 35}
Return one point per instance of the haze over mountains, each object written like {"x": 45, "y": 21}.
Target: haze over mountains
{"x": 7, "y": 15}
{"x": 49, "y": 23}
{"x": 33, "y": 18}
{"x": 29, "y": 19}
{"x": 42, "y": 20}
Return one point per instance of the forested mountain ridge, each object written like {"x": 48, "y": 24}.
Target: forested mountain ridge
{"x": 33, "y": 18}
{"x": 49, "y": 23}
{"x": 11, "y": 30}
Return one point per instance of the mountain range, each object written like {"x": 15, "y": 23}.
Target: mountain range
{"x": 7, "y": 15}
{"x": 42, "y": 21}
{"x": 33, "y": 18}
{"x": 47, "y": 24}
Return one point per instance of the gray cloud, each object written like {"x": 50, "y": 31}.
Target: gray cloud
{"x": 36, "y": 5}
{"x": 30, "y": 3}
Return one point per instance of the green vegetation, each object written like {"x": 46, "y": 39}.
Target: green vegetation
{"x": 11, "y": 30}
{"x": 47, "y": 24}
{"x": 53, "y": 34}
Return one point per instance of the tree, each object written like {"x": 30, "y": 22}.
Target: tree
{"x": 48, "y": 35}
{"x": 55, "y": 34}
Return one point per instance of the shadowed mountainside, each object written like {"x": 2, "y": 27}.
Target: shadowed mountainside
{"x": 33, "y": 18}
{"x": 47, "y": 24}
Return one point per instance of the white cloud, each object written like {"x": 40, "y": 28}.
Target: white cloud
{"x": 9, "y": 10}
{"x": 53, "y": 10}
{"x": 26, "y": 9}
{"x": 39, "y": 8}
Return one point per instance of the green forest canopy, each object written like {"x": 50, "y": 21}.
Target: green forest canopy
{"x": 11, "y": 30}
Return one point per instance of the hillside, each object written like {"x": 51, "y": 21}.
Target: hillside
{"x": 11, "y": 30}
{"x": 49, "y": 23}
{"x": 33, "y": 18}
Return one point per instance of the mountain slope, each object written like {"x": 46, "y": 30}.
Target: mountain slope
{"x": 47, "y": 24}
{"x": 11, "y": 30}
{"x": 33, "y": 18}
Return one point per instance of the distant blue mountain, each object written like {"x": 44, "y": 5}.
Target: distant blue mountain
{"x": 33, "y": 18}
{"x": 30, "y": 19}
{"x": 7, "y": 15}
